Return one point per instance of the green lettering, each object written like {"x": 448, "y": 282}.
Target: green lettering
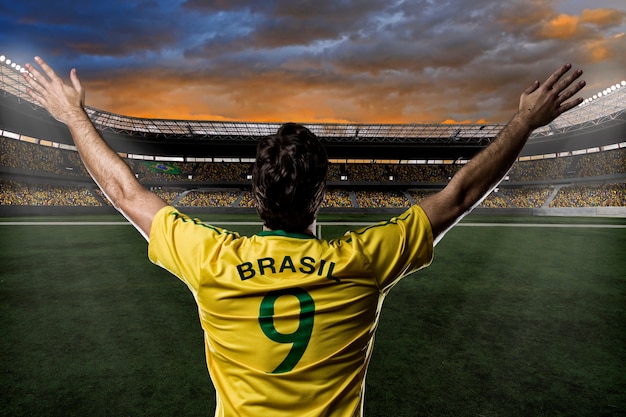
{"x": 329, "y": 275}
{"x": 245, "y": 271}
{"x": 266, "y": 263}
{"x": 308, "y": 264}
{"x": 322, "y": 263}
{"x": 287, "y": 264}
{"x": 180, "y": 216}
{"x": 299, "y": 339}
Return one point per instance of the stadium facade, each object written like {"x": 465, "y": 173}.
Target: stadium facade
{"x": 596, "y": 126}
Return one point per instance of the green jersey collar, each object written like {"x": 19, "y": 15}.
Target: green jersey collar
{"x": 285, "y": 234}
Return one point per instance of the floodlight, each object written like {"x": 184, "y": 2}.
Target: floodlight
{"x": 8, "y": 61}
{"x": 2, "y": 58}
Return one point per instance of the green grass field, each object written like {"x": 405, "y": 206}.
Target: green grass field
{"x": 507, "y": 321}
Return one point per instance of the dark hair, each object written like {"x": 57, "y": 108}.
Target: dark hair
{"x": 289, "y": 178}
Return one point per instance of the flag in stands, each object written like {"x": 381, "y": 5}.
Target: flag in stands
{"x": 162, "y": 167}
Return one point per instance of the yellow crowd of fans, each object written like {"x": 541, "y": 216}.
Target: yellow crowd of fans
{"x": 578, "y": 166}
{"x": 532, "y": 197}
{"x": 380, "y": 199}
{"x": 337, "y": 198}
{"x": 31, "y": 157}
{"x": 24, "y": 194}
{"x": 609, "y": 195}
{"x": 38, "y": 158}
{"x": 56, "y": 162}
{"x": 209, "y": 199}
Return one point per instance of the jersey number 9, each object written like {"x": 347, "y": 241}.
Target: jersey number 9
{"x": 300, "y": 337}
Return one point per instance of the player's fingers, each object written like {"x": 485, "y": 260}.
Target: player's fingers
{"x": 35, "y": 95}
{"x": 569, "y": 105}
{"x": 34, "y": 80}
{"x": 77, "y": 85}
{"x": 74, "y": 79}
{"x": 564, "y": 104}
{"x": 565, "y": 81}
{"x": 556, "y": 75}
{"x": 564, "y": 84}
{"x": 46, "y": 68}
{"x": 36, "y": 75}
{"x": 571, "y": 91}
{"x": 532, "y": 88}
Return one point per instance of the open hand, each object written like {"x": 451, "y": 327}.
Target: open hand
{"x": 542, "y": 103}
{"x": 64, "y": 102}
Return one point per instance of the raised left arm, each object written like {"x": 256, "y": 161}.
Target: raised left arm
{"x": 539, "y": 105}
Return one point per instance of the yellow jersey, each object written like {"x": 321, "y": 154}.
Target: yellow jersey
{"x": 289, "y": 319}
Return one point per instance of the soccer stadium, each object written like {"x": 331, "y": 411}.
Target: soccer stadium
{"x": 578, "y": 162}
{"x": 522, "y": 312}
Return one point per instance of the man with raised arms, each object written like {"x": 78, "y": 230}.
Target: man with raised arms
{"x": 289, "y": 319}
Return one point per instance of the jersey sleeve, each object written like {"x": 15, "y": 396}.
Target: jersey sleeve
{"x": 183, "y": 245}
{"x": 396, "y": 247}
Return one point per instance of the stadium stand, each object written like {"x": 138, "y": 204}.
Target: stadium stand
{"x": 22, "y": 194}
{"x": 578, "y": 161}
{"x": 44, "y": 162}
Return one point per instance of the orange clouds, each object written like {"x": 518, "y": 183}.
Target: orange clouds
{"x": 170, "y": 96}
{"x": 592, "y": 30}
{"x": 561, "y": 27}
{"x": 469, "y": 67}
{"x": 462, "y": 122}
{"x": 598, "y": 51}
{"x": 564, "y": 26}
{"x": 603, "y": 17}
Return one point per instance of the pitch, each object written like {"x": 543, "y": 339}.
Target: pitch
{"x": 509, "y": 320}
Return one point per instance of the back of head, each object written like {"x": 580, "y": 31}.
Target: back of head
{"x": 289, "y": 178}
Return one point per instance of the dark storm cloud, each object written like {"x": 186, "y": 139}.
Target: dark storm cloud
{"x": 363, "y": 61}
{"x": 114, "y": 29}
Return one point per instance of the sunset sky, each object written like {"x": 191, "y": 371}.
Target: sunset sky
{"x": 371, "y": 61}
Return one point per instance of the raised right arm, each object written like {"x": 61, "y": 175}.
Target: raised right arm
{"x": 109, "y": 171}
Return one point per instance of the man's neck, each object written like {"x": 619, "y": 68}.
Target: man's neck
{"x": 310, "y": 230}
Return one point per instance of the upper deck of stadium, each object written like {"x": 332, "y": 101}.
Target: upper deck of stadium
{"x": 599, "y": 121}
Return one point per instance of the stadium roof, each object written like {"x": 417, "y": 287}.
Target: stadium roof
{"x": 605, "y": 110}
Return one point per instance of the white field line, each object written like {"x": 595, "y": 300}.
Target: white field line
{"x": 221, "y": 223}
{"x": 575, "y": 225}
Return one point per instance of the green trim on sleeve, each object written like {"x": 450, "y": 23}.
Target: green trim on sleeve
{"x": 185, "y": 218}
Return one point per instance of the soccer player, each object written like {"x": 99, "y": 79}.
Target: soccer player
{"x": 289, "y": 319}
